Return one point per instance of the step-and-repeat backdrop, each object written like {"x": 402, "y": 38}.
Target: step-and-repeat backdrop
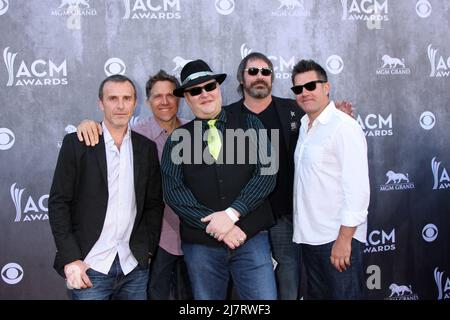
{"x": 391, "y": 59}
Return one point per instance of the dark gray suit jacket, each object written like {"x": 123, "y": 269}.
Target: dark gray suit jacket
{"x": 79, "y": 198}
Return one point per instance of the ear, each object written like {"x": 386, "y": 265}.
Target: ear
{"x": 100, "y": 105}
{"x": 327, "y": 88}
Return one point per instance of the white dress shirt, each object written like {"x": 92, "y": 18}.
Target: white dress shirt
{"x": 121, "y": 210}
{"x": 331, "y": 181}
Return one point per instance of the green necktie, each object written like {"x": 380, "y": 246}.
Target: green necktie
{"x": 214, "y": 142}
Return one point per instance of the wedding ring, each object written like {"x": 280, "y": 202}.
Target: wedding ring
{"x": 241, "y": 241}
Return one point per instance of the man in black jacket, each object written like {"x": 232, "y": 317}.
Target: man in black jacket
{"x": 255, "y": 75}
{"x": 105, "y": 204}
{"x": 211, "y": 182}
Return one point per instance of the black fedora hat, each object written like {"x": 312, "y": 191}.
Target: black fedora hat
{"x": 196, "y": 72}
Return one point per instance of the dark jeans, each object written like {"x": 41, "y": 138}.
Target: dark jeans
{"x": 249, "y": 265}
{"x": 324, "y": 281}
{"x": 287, "y": 254}
{"x": 115, "y": 285}
{"x": 169, "y": 278}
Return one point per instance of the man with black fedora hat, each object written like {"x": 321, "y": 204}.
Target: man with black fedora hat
{"x": 222, "y": 205}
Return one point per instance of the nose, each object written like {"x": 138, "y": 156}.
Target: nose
{"x": 204, "y": 93}
{"x": 164, "y": 100}
{"x": 121, "y": 104}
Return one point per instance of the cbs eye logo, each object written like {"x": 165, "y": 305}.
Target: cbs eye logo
{"x": 430, "y": 232}
{"x": 12, "y": 273}
{"x": 225, "y": 7}
{"x": 335, "y": 64}
{"x": 4, "y": 5}
{"x": 7, "y": 138}
{"x": 427, "y": 120}
{"x": 114, "y": 66}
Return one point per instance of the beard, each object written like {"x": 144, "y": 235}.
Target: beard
{"x": 258, "y": 93}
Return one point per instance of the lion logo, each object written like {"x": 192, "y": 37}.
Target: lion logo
{"x": 74, "y": 3}
{"x": 396, "y": 177}
{"x": 399, "y": 290}
{"x": 392, "y": 62}
{"x": 291, "y": 4}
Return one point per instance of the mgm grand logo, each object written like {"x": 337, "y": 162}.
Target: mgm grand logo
{"x": 397, "y": 181}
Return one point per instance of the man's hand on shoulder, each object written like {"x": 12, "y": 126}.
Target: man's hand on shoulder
{"x": 345, "y": 107}
{"x": 89, "y": 132}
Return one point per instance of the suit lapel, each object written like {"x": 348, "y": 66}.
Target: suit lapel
{"x": 288, "y": 120}
{"x": 100, "y": 153}
{"x": 136, "y": 163}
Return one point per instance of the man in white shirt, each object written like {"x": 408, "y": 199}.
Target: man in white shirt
{"x": 105, "y": 204}
{"x": 331, "y": 189}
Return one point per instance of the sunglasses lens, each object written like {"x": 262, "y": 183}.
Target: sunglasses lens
{"x": 210, "y": 86}
{"x": 310, "y": 86}
{"x": 266, "y": 72}
{"x": 198, "y": 90}
{"x": 297, "y": 89}
{"x": 253, "y": 71}
{"x": 195, "y": 91}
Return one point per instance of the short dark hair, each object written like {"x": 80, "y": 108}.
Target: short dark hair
{"x": 309, "y": 65}
{"x": 115, "y": 78}
{"x": 243, "y": 65}
{"x": 160, "y": 76}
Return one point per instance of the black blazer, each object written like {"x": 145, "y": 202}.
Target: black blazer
{"x": 79, "y": 197}
{"x": 289, "y": 114}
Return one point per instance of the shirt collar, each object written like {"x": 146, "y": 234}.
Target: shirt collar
{"x": 323, "y": 118}
{"x": 221, "y": 119}
{"x": 155, "y": 128}
{"x": 108, "y": 138}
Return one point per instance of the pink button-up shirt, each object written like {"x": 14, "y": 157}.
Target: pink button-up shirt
{"x": 170, "y": 232}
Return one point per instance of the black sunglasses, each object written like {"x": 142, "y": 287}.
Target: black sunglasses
{"x": 198, "y": 90}
{"x": 254, "y": 71}
{"x": 310, "y": 86}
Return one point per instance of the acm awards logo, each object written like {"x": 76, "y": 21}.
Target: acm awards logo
{"x": 224, "y": 7}
{"x": 74, "y": 10}
{"x": 373, "y": 12}
{"x": 4, "y": 6}
{"x": 393, "y": 66}
{"x": 401, "y": 292}
{"x": 397, "y": 181}
{"x": 282, "y": 66}
{"x": 376, "y": 125}
{"x": 291, "y": 8}
{"x": 40, "y": 72}
{"x": 152, "y": 9}
{"x": 440, "y": 176}
{"x": 7, "y": 139}
{"x": 440, "y": 65}
{"x": 179, "y": 62}
{"x": 33, "y": 210}
{"x": 380, "y": 241}
{"x": 442, "y": 284}
{"x": 12, "y": 273}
